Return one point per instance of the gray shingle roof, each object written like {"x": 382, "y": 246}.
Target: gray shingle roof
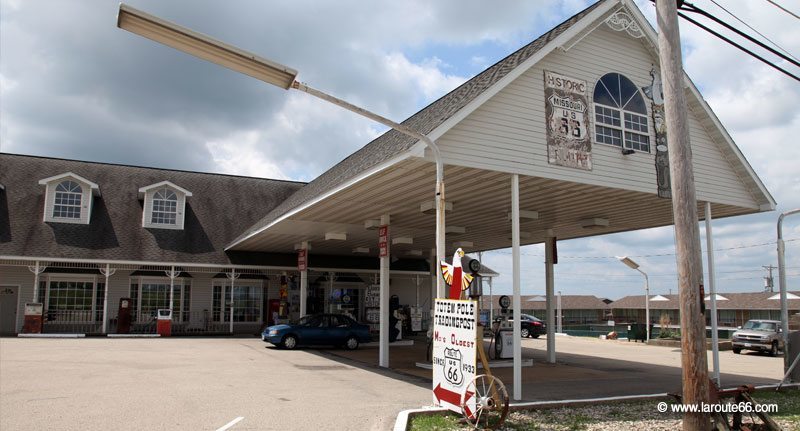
{"x": 221, "y": 206}
{"x": 393, "y": 143}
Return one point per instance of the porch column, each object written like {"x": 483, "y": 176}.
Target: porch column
{"x": 304, "y": 282}
{"x": 171, "y": 274}
{"x": 516, "y": 303}
{"x": 383, "y": 344}
{"x": 232, "y": 276}
{"x": 712, "y": 286}
{"x": 108, "y": 272}
{"x": 549, "y": 246}
{"x": 36, "y": 270}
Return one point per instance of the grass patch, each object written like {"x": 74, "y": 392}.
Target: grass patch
{"x": 634, "y": 415}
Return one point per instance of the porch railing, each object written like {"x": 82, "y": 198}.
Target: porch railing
{"x": 71, "y": 322}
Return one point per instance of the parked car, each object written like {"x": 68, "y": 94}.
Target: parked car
{"x": 530, "y": 326}
{"x": 318, "y": 330}
{"x": 759, "y": 335}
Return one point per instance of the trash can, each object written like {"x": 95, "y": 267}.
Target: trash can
{"x": 504, "y": 344}
{"x": 637, "y": 332}
{"x": 164, "y": 322}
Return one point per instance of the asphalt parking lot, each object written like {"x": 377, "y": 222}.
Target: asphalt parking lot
{"x": 192, "y": 384}
{"x": 206, "y": 383}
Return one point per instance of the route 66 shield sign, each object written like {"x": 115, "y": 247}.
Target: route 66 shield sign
{"x": 452, "y": 367}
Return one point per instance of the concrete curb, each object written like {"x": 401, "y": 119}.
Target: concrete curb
{"x": 401, "y": 423}
{"x": 51, "y": 335}
{"x": 133, "y": 335}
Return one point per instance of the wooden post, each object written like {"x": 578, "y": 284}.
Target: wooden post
{"x": 684, "y": 207}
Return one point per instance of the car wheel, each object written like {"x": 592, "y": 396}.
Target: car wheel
{"x": 351, "y": 343}
{"x": 525, "y": 333}
{"x": 774, "y": 350}
{"x": 289, "y": 342}
{"x": 737, "y": 351}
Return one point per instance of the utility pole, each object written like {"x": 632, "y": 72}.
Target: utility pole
{"x": 768, "y": 280}
{"x": 694, "y": 365}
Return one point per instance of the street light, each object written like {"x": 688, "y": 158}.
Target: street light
{"x": 633, "y": 265}
{"x": 245, "y": 62}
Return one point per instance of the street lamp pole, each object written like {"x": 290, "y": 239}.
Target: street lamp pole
{"x": 633, "y": 265}
{"x": 215, "y": 51}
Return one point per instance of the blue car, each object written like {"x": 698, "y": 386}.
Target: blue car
{"x": 318, "y": 329}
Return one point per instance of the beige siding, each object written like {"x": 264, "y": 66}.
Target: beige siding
{"x": 507, "y": 133}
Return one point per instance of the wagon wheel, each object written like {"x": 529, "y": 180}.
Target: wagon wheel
{"x": 484, "y": 403}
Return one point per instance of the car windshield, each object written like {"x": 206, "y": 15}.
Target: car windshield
{"x": 759, "y": 326}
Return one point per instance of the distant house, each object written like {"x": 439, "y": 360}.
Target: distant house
{"x": 733, "y": 309}
{"x": 576, "y": 309}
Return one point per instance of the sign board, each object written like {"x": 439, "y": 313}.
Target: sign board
{"x": 383, "y": 241}
{"x": 567, "y": 121}
{"x": 302, "y": 263}
{"x": 454, "y": 352}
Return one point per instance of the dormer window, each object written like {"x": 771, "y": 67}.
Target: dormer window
{"x": 164, "y": 205}
{"x": 68, "y": 198}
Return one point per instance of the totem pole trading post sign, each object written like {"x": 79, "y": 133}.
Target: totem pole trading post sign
{"x": 454, "y": 352}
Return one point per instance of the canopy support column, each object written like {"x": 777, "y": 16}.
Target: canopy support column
{"x": 304, "y": 282}
{"x": 517, "y": 302}
{"x": 712, "y": 285}
{"x": 549, "y": 247}
{"x": 108, "y": 272}
{"x": 383, "y": 344}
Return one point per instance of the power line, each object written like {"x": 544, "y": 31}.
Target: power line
{"x": 751, "y": 28}
{"x": 784, "y": 9}
{"x": 732, "y": 43}
{"x": 694, "y": 9}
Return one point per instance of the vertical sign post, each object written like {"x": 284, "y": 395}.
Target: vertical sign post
{"x": 383, "y": 241}
{"x": 302, "y": 263}
{"x": 454, "y": 353}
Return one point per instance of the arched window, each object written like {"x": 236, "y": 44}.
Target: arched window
{"x": 68, "y": 200}
{"x": 620, "y": 113}
{"x": 165, "y": 207}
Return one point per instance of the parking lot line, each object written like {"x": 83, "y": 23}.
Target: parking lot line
{"x": 230, "y": 424}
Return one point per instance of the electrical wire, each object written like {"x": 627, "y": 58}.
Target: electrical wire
{"x": 751, "y": 28}
{"x": 751, "y": 53}
{"x": 784, "y": 9}
{"x": 694, "y": 9}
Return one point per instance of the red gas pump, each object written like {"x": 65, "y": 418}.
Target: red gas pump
{"x": 33, "y": 318}
{"x": 164, "y": 322}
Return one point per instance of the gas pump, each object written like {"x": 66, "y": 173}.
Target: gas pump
{"x": 503, "y": 332}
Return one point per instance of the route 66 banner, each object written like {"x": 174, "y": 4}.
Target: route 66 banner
{"x": 567, "y": 116}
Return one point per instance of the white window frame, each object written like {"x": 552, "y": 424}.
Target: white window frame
{"x": 147, "y": 194}
{"x": 178, "y": 305}
{"x": 225, "y": 284}
{"x": 72, "y": 191}
{"x": 164, "y": 206}
{"x": 82, "y": 278}
{"x": 622, "y": 128}
{"x": 88, "y": 191}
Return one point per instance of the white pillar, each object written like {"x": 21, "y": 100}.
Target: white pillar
{"x": 172, "y": 276}
{"x": 549, "y": 288}
{"x": 560, "y": 314}
{"x": 304, "y": 283}
{"x": 36, "y": 270}
{"x": 233, "y": 276}
{"x": 515, "y": 270}
{"x": 383, "y": 344}
{"x": 108, "y": 272}
{"x": 712, "y": 286}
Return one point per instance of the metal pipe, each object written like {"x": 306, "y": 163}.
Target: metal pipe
{"x": 560, "y": 314}
{"x": 712, "y": 285}
{"x": 437, "y": 157}
{"x": 646, "y": 303}
{"x": 549, "y": 271}
{"x": 782, "y": 281}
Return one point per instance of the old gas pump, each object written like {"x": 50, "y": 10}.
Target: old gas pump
{"x": 503, "y": 332}
{"x": 457, "y": 340}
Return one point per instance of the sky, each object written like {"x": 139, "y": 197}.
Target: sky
{"x": 74, "y": 86}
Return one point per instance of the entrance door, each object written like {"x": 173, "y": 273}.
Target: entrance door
{"x": 8, "y": 309}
